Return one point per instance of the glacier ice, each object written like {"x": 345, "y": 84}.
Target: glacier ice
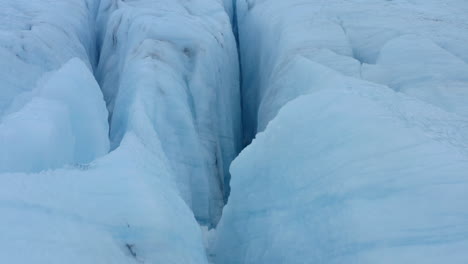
{"x": 38, "y": 37}
{"x": 93, "y": 213}
{"x": 402, "y": 44}
{"x": 165, "y": 68}
{"x": 168, "y": 165}
{"x": 69, "y": 119}
{"x": 384, "y": 182}
{"x": 429, "y": 73}
{"x": 119, "y": 121}
{"x": 361, "y": 155}
{"x": 51, "y": 108}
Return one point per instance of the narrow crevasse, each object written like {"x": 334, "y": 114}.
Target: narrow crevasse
{"x": 361, "y": 154}
{"x": 169, "y": 75}
{"x": 119, "y": 120}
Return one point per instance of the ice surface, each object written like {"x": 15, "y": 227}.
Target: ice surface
{"x": 39, "y": 36}
{"x": 51, "y": 108}
{"x": 345, "y": 170}
{"x": 50, "y": 147}
{"x": 430, "y": 72}
{"x": 64, "y": 121}
{"x": 119, "y": 120}
{"x": 94, "y": 213}
{"x": 330, "y": 182}
{"x": 403, "y": 44}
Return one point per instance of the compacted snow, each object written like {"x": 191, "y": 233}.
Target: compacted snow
{"x": 119, "y": 121}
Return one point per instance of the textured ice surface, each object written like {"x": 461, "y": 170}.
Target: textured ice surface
{"x": 416, "y": 47}
{"x": 330, "y": 182}
{"x": 429, "y": 72}
{"x": 94, "y": 213}
{"x": 361, "y": 105}
{"x": 39, "y": 36}
{"x": 51, "y": 109}
{"x": 350, "y": 171}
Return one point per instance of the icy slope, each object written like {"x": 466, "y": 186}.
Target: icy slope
{"x": 48, "y": 116}
{"x": 352, "y": 171}
{"x": 169, "y": 73}
{"x": 330, "y": 182}
{"x": 123, "y": 208}
{"x": 67, "y": 114}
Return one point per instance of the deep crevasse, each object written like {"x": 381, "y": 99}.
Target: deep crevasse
{"x": 169, "y": 73}
{"x": 346, "y": 168}
{"x": 170, "y": 155}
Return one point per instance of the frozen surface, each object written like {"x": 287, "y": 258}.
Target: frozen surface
{"x": 385, "y": 182}
{"x": 119, "y": 121}
{"x": 39, "y": 36}
{"x": 367, "y": 160}
{"x": 94, "y": 213}
{"x": 51, "y": 108}
{"x": 416, "y": 47}
{"x": 429, "y": 72}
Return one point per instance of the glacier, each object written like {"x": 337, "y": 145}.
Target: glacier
{"x": 357, "y": 113}
{"x": 345, "y": 190}
{"x": 233, "y": 131}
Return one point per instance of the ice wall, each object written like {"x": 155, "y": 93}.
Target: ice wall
{"x": 169, "y": 73}
{"x": 346, "y": 170}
